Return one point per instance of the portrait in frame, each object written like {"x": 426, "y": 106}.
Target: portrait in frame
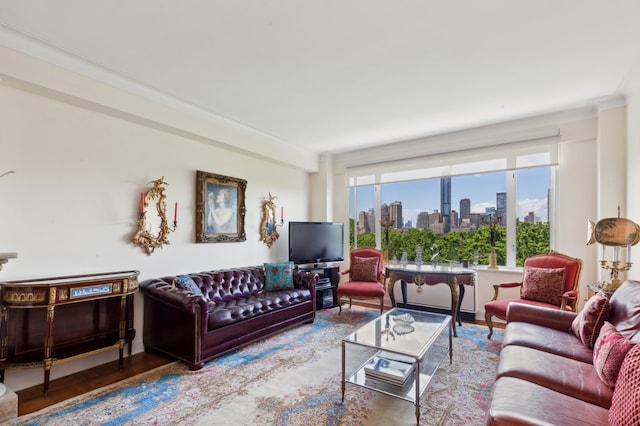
{"x": 220, "y": 208}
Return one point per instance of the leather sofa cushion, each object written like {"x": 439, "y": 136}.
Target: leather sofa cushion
{"x": 564, "y": 375}
{"x": 625, "y": 310}
{"x": 558, "y": 342}
{"x": 516, "y": 402}
{"x": 231, "y": 311}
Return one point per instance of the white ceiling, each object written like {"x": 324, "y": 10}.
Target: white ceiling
{"x": 334, "y": 75}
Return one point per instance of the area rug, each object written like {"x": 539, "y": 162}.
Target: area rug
{"x": 292, "y": 378}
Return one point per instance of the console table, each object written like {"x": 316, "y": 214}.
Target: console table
{"x": 455, "y": 278}
{"x": 46, "y": 321}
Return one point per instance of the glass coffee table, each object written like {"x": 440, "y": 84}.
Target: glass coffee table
{"x": 407, "y": 347}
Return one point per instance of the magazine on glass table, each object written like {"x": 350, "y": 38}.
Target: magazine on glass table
{"x": 389, "y": 367}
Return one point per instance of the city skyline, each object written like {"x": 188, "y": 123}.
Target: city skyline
{"x": 424, "y": 195}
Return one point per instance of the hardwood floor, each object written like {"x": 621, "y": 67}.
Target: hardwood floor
{"x": 32, "y": 399}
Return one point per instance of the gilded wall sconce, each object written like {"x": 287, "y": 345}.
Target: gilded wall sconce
{"x": 153, "y": 228}
{"x": 268, "y": 232}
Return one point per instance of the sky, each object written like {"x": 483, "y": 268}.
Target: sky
{"x": 424, "y": 195}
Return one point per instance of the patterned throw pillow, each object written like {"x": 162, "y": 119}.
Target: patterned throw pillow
{"x": 543, "y": 284}
{"x": 185, "y": 282}
{"x": 278, "y": 276}
{"x": 589, "y": 321}
{"x": 609, "y": 352}
{"x": 364, "y": 269}
{"x": 625, "y": 403}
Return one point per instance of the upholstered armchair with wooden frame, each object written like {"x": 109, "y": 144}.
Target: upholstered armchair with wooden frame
{"x": 549, "y": 279}
{"x": 366, "y": 277}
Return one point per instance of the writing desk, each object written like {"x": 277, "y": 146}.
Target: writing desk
{"x": 427, "y": 274}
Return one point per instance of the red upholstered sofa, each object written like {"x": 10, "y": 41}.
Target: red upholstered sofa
{"x": 546, "y": 375}
{"x": 234, "y": 309}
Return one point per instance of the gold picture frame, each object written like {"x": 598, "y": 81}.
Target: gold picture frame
{"x": 220, "y": 208}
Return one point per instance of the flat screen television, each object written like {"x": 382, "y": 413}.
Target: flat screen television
{"x": 316, "y": 242}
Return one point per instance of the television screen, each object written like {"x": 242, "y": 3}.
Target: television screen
{"x": 316, "y": 242}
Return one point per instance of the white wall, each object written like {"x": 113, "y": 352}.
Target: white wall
{"x": 633, "y": 173}
{"x": 71, "y": 205}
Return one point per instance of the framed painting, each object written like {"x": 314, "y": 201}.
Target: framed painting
{"x": 220, "y": 208}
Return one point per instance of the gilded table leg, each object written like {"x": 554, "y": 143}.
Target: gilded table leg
{"x": 48, "y": 348}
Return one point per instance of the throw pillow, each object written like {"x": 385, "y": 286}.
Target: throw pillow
{"x": 608, "y": 353}
{"x": 543, "y": 284}
{"x": 364, "y": 269}
{"x": 625, "y": 403}
{"x": 589, "y": 321}
{"x": 278, "y": 276}
{"x": 185, "y": 282}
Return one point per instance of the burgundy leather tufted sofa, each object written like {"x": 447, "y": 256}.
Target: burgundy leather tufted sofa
{"x": 233, "y": 310}
{"x": 545, "y": 374}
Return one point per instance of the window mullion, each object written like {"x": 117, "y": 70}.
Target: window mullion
{"x": 511, "y": 218}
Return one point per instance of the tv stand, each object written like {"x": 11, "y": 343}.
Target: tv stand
{"x": 327, "y": 286}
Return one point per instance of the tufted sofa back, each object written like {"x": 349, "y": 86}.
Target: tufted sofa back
{"x": 226, "y": 284}
{"x": 229, "y": 284}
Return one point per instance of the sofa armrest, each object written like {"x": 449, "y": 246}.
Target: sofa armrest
{"x": 540, "y": 315}
{"x": 164, "y": 292}
{"x": 305, "y": 279}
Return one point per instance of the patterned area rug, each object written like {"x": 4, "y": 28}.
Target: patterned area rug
{"x": 292, "y": 378}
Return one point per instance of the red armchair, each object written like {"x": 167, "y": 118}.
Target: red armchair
{"x": 549, "y": 279}
{"x": 365, "y": 277}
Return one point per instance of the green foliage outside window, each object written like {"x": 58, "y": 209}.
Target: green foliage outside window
{"x": 531, "y": 238}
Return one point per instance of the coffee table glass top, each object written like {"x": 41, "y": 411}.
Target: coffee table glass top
{"x": 404, "y": 331}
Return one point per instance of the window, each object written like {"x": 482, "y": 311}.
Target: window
{"x": 446, "y": 209}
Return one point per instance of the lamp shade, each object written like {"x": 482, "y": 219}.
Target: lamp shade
{"x": 613, "y": 231}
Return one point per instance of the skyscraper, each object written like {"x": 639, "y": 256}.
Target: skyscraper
{"x": 423, "y": 220}
{"x": 501, "y": 207}
{"x": 465, "y": 208}
{"x": 395, "y": 214}
{"x": 445, "y": 202}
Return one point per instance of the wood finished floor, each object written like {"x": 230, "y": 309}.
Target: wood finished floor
{"x": 32, "y": 399}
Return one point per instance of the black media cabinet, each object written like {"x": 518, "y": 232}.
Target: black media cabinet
{"x": 327, "y": 286}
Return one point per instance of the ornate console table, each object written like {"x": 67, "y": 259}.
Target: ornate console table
{"x": 45, "y": 321}
{"x": 431, "y": 275}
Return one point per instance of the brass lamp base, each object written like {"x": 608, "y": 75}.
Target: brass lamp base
{"x": 493, "y": 259}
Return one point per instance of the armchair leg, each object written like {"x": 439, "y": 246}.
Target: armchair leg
{"x": 381, "y": 304}
{"x": 487, "y": 318}
{"x": 339, "y": 305}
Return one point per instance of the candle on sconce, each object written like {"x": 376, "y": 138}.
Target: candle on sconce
{"x": 616, "y": 253}
{"x": 142, "y": 202}
{"x": 603, "y": 250}
{"x": 281, "y": 214}
{"x": 175, "y": 212}
{"x": 629, "y": 254}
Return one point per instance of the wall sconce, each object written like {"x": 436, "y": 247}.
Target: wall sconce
{"x": 619, "y": 233}
{"x": 268, "y": 224}
{"x": 153, "y": 230}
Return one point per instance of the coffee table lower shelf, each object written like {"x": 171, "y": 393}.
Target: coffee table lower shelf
{"x": 407, "y": 392}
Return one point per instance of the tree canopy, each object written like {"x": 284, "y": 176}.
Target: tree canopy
{"x": 531, "y": 238}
